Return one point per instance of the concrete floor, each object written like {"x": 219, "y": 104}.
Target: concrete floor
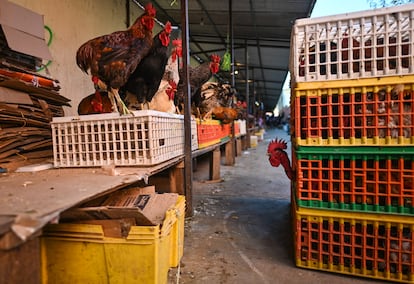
{"x": 241, "y": 228}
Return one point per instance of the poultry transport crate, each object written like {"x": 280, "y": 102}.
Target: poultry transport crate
{"x": 366, "y": 245}
{"x": 210, "y": 132}
{"x": 365, "y": 112}
{"x": 143, "y": 138}
{"x": 378, "y": 180}
{"x": 364, "y": 44}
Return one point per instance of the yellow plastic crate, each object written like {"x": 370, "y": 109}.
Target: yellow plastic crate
{"x": 368, "y": 245}
{"x": 177, "y": 232}
{"x": 81, "y": 253}
{"x": 359, "y": 112}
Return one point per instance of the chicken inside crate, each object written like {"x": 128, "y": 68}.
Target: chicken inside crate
{"x": 370, "y": 179}
{"x": 367, "y": 245}
{"x": 361, "y": 112}
{"x": 354, "y": 45}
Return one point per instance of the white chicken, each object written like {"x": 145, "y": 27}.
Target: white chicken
{"x": 163, "y": 99}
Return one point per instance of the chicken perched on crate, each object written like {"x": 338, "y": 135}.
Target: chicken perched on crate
{"x": 214, "y": 100}
{"x": 163, "y": 99}
{"x": 112, "y": 58}
{"x": 198, "y": 76}
{"x": 144, "y": 82}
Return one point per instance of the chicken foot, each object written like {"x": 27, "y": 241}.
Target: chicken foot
{"x": 117, "y": 102}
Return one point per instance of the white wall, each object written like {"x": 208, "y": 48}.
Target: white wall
{"x": 73, "y": 22}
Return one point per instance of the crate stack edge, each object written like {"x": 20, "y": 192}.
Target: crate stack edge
{"x": 352, "y": 99}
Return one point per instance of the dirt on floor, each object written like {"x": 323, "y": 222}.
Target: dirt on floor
{"x": 241, "y": 229}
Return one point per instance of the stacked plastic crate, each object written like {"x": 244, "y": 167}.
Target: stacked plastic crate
{"x": 353, "y": 143}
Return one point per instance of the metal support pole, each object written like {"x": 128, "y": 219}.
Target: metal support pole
{"x": 246, "y": 58}
{"x": 188, "y": 164}
{"x": 232, "y": 160}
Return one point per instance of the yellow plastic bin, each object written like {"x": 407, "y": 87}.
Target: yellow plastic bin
{"x": 177, "y": 232}
{"x": 81, "y": 253}
{"x": 253, "y": 141}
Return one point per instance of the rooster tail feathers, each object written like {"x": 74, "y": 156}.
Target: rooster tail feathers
{"x": 84, "y": 57}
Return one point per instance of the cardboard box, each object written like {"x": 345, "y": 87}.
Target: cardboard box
{"x": 147, "y": 207}
{"x": 24, "y": 30}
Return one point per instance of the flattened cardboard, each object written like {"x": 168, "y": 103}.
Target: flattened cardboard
{"x": 143, "y": 204}
{"x": 24, "y": 30}
{"x": 11, "y": 96}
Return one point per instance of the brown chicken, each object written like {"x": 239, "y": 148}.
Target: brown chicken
{"x": 214, "y": 100}
{"x": 198, "y": 76}
{"x": 278, "y": 156}
{"x": 112, "y": 58}
{"x": 145, "y": 80}
{"x": 95, "y": 103}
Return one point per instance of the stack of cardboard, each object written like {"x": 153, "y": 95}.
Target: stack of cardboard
{"x": 28, "y": 100}
{"x": 117, "y": 212}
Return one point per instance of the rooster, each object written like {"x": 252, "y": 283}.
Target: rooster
{"x": 95, "y": 103}
{"x": 198, "y": 76}
{"x": 112, "y": 58}
{"x": 145, "y": 80}
{"x": 163, "y": 100}
{"x": 215, "y": 100}
{"x": 172, "y": 68}
{"x": 278, "y": 156}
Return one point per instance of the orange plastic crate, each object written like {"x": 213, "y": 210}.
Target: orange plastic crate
{"x": 365, "y": 179}
{"x": 209, "y": 132}
{"x": 363, "y": 112}
{"x": 368, "y": 245}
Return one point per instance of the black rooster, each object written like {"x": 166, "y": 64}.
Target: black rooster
{"x": 145, "y": 80}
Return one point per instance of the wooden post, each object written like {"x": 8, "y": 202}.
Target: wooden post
{"x": 229, "y": 150}
{"x": 238, "y": 146}
{"x": 176, "y": 178}
{"x": 215, "y": 164}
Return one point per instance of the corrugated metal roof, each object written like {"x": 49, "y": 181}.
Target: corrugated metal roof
{"x": 260, "y": 27}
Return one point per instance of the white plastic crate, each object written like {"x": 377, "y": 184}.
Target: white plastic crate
{"x": 364, "y": 44}
{"x": 243, "y": 129}
{"x": 145, "y": 138}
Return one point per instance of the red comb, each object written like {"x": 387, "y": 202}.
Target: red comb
{"x": 167, "y": 27}
{"x": 278, "y": 144}
{"x": 177, "y": 42}
{"x": 150, "y": 10}
{"x": 215, "y": 58}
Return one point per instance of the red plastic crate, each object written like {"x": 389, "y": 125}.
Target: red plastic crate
{"x": 366, "y": 112}
{"x": 368, "y": 245}
{"x": 209, "y": 132}
{"x": 369, "y": 179}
